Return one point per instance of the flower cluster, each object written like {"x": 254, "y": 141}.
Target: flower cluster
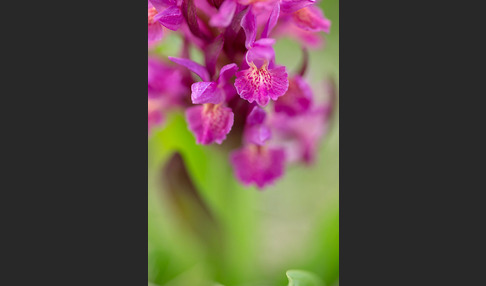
{"x": 240, "y": 90}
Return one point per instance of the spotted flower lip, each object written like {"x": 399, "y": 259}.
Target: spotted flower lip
{"x": 261, "y": 84}
{"x": 210, "y": 123}
{"x": 259, "y": 165}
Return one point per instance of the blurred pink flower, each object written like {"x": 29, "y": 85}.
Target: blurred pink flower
{"x": 258, "y": 164}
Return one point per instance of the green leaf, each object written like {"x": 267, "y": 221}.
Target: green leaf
{"x": 303, "y": 278}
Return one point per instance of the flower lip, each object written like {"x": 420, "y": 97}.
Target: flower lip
{"x": 258, "y": 164}
{"x": 210, "y": 123}
{"x": 261, "y": 84}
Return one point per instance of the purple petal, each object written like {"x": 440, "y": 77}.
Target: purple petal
{"x": 248, "y": 23}
{"x": 255, "y": 131}
{"x": 154, "y": 28}
{"x": 289, "y": 6}
{"x": 209, "y": 123}
{"x": 301, "y": 143}
{"x": 211, "y": 54}
{"x": 257, "y": 134}
{"x": 308, "y": 39}
{"x": 206, "y": 92}
{"x": 192, "y": 66}
{"x": 225, "y": 14}
{"x": 227, "y": 72}
{"x": 310, "y": 139}
{"x": 160, "y": 5}
{"x": 311, "y": 19}
{"x": 297, "y": 99}
{"x": 256, "y": 116}
{"x": 257, "y": 164}
{"x": 155, "y": 32}
{"x": 262, "y": 52}
{"x": 272, "y": 21}
{"x": 171, "y": 18}
{"x": 262, "y": 84}
{"x": 165, "y": 80}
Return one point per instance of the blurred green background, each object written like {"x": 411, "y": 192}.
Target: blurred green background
{"x": 258, "y": 236}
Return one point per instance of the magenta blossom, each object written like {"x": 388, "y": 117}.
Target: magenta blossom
{"x": 301, "y": 134}
{"x": 261, "y": 84}
{"x": 216, "y": 91}
{"x": 311, "y": 19}
{"x": 262, "y": 81}
{"x": 237, "y": 90}
{"x": 287, "y": 28}
{"x": 256, "y": 131}
{"x": 210, "y": 122}
{"x": 258, "y": 164}
{"x": 297, "y": 99}
{"x": 164, "y": 80}
{"x": 300, "y": 20}
{"x": 162, "y": 13}
{"x": 165, "y": 90}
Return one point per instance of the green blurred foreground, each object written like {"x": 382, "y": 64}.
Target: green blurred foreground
{"x": 216, "y": 232}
